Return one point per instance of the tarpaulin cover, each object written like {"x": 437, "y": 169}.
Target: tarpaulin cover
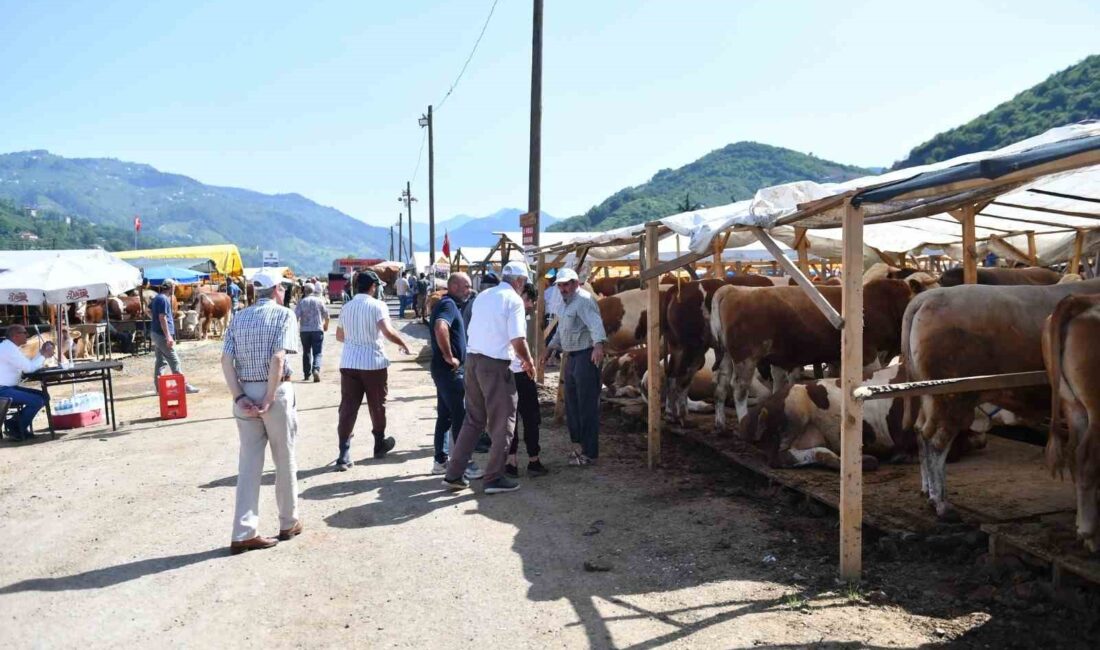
{"x": 226, "y": 257}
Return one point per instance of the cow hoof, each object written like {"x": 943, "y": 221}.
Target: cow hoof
{"x": 870, "y": 463}
{"x": 946, "y": 513}
{"x": 1091, "y": 542}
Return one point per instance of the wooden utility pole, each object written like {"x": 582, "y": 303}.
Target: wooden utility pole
{"x": 534, "y": 182}
{"x": 409, "y": 209}
{"x": 400, "y": 237}
{"x": 391, "y": 242}
{"x": 427, "y": 121}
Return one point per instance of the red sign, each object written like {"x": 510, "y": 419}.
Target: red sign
{"x": 527, "y": 224}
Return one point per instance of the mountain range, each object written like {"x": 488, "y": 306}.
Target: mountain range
{"x": 465, "y": 230}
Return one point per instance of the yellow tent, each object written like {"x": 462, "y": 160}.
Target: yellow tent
{"x": 226, "y": 257}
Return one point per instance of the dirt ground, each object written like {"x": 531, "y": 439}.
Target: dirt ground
{"x": 120, "y": 538}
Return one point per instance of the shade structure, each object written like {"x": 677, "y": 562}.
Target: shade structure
{"x": 226, "y": 257}
{"x": 158, "y": 274}
{"x": 67, "y": 276}
{"x": 192, "y": 263}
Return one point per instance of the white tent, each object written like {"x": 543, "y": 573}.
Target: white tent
{"x": 58, "y": 277}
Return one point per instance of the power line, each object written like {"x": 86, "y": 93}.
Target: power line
{"x": 469, "y": 58}
{"x": 423, "y": 138}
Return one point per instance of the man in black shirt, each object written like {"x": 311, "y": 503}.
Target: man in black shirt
{"x": 448, "y": 328}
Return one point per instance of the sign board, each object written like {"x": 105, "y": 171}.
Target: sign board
{"x": 527, "y": 226}
{"x": 270, "y": 258}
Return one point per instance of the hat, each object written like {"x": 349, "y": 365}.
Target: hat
{"x": 266, "y": 280}
{"x": 167, "y": 282}
{"x": 515, "y": 269}
{"x": 369, "y": 278}
{"x": 490, "y": 279}
{"x": 566, "y": 275}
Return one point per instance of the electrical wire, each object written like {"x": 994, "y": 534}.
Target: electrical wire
{"x": 423, "y": 139}
{"x": 469, "y": 58}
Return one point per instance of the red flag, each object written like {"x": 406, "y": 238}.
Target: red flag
{"x": 137, "y": 223}
{"x": 446, "y": 244}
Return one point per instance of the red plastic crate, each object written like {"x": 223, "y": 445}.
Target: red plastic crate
{"x": 173, "y": 396}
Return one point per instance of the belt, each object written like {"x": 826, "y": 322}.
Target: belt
{"x": 488, "y": 358}
{"x": 263, "y": 381}
{"x": 588, "y": 349}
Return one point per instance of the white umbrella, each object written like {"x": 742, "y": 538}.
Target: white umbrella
{"x": 68, "y": 276}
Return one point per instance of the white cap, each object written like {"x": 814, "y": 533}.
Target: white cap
{"x": 516, "y": 269}
{"x": 566, "y": 275}
{"x": 265, "y": 280}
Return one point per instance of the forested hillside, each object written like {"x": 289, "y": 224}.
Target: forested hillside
{"x": 1065, "y": 97}
{"x": 729, "y": 174}
{"x": 53, "y": 230}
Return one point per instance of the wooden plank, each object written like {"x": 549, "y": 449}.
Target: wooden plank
{"x": 1012, "y": 249}
{"x": 658, "y": 270}
{"x": 653, "y": 346}
{"x": 1032, "y": 251}
{"x": 975, "y": 384}
{"x": 1078, "y": 245}
{"x": 851, "y": 409}
{"x": 1067, "y": 213}
{"x": 811, "y": 291}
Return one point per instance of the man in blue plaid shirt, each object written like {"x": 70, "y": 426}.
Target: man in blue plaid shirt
{"x": 257, "y": 373}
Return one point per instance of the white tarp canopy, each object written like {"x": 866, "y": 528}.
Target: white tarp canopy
{"x": 58, "y": 277}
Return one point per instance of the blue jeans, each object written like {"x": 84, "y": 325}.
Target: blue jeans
{"x": 402, "y": 302}
{"x": 450, "y": 390}
{"x": 32, "y": 401}
{"x": 582, "y": 401}
{"x": 312, "y": 343}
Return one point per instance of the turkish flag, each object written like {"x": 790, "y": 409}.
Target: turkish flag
{"x": 137, "y": 224}
{"x": 446, "y": 244}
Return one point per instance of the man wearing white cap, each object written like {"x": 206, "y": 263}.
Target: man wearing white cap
{"x": 491, "y": 398}
{"x": 258, "y": 375}
{"x": 580, "y": 335}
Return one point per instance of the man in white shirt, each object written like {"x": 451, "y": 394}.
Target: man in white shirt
{"x": 364, "y": 365}
{"x": 500, "y": 335}
{"x": 402, "y": 288}
{"x": 13, "y": 363}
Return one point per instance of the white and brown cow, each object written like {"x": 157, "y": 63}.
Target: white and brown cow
{"x": 799, "y": 426}
{"x": 968, "y": 331}
{"x": 213, "y": 308}
{"x": 1071, "y": 352}
{"x": 782, "y": 327}
{"x": 624, "y": 318}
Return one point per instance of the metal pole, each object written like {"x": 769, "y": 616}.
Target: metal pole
{"x": 431, "y": 189}
{"x": 391, "y": 241}
{"x": 534, "y": 184}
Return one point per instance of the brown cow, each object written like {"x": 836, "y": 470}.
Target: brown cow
{"x": 687, "y": 333}
{"x": 610, "y": 286}
{"x": 213, "y": 307}
{"x": 832, "y": 281}
{"x": 1030, "y": 275}
{"x": 968, "y": 331}
{"x": 782, "y": 327}
{"x": 624, "y": 318}
{"x": 1071, "y": 352}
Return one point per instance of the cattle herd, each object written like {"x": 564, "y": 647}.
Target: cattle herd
{"x": 777, "y": 353}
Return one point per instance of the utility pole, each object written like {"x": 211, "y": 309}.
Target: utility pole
{"x": 534, "y": 182}
{"x": 426, "y": 120}
{"x": 407, "y": 198}
{"x": 391, "y": 242}
{"x": 400, "y": 237}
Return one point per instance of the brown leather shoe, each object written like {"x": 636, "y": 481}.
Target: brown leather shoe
{"x": 254, "y": 544}
{"x": 292, "y": 532}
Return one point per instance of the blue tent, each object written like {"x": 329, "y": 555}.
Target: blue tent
{"x": 158, "y": 274}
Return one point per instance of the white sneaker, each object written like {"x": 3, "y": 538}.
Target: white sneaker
{"x": 473, "y": 472}
{"x": 439, "y": 468}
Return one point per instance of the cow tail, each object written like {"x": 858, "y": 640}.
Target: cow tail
{"x": 1064, "y": 312}
{"x": 908, "y": 416}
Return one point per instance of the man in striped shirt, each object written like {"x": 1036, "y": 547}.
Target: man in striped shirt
{"x": 257, "y": 373}
{"x": 364, "y": 365}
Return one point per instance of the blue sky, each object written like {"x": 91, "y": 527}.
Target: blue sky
{"x": 322, "y": 98}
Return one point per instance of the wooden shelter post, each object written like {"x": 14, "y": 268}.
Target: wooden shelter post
{"x": 1032, "y": 251}
{"x": 802, "y": 245}
{"x": 1078, "y": 245}
{"x": 540, "y": 310}
{"x": 797, "y": 275}
{"x": 965, "y": 216}
{"x": 851, "y": 409}
{"x": 653, "y": 346}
